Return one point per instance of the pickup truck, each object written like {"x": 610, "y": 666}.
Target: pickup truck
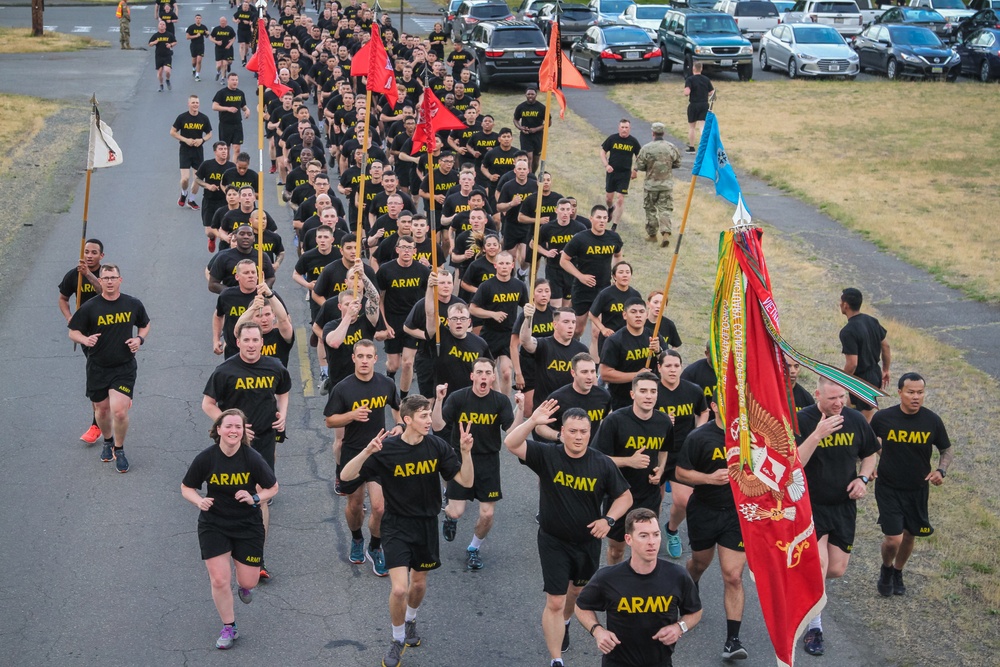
{"x": 953, "y": 11}
{"x": 842, "y": 15}
{"x": 869, "y": 12}
{"x": 754, "y": 17}
{"x": 687, "y": 36}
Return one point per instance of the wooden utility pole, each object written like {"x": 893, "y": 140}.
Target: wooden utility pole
{"x": 37, "y": 8}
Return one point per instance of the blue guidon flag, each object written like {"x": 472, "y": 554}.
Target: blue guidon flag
{"x": 712, "y": 162}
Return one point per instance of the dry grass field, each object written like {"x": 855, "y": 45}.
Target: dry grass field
{"x": 909, "y": 165}
{"x": 19, "y": 40}
{"x": 951, "y": 611}
{"x": 21, "y": 118}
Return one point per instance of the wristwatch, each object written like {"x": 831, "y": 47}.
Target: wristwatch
{"x": 864, "y": 478}
{"x": 611, "y": 522}
{"x": 256, "y": 500}
{"x": 943, "y": 472}
{"x": 683, "y": 626}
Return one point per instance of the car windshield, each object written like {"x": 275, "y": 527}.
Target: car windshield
{"x": 713, "y": 24}
{"x": 948, "y": 4}
{"x": 923, "y": 16}
{"x": 817, "y": 36}
{"x": 453, "y": 5}
{"x": 701, "y": 4}
{"x": 785, "y": 5}
{"x": 836, "y": 8}
{"x": 626, "y": 36}
{"x": 615, "y": 6}
{"x": 914, "y": 37}
{"x": 518, "y": 39}
{"x": 576, "y": 13}
{"x": 490, "y": 11}
{"x": 755, "y": 8}
{"x": 650, "y": 12}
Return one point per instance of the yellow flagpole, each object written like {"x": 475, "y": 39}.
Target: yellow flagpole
{"x": 538, "y": 203}
{"x": 434, "y": 242}
{"x": 262, "y": 218}
{"x": 364, "y": 170}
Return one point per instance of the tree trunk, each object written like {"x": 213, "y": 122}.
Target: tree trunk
{"x": 37, "y": 7}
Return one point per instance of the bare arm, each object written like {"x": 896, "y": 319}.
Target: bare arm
{"x": 886, "y": 360}
{"x": 850, "y": 363}
{"x": 210, "y": 407}
{"x": 609, "y": 374}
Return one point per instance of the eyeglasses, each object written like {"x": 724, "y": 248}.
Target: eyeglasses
{"x": 110, "y": 278}
{"x": 459, "y": 319}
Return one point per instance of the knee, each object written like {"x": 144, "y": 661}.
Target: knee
{"x": 398, "y": 591}
{"x": 835, "y": 570}
{"x": 220, "y": 581}
{"x": 555, "y": 603}
{"x": 732, "y": 577}
{"x": 378, "y": 507}
{"x": 486, "y": 511}
{"x": 418, "y": 585}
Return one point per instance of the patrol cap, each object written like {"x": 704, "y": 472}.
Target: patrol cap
{"x": 659, "y": 128}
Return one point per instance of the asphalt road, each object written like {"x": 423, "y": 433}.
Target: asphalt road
{"x": 102, "y": 568}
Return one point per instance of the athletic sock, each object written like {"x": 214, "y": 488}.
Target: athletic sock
{"x": 476, "y": 542}
{"x": 399, "y": 633}
{"x": 325, "y": 370}
{"x": 391, "y": 374}
{"x": 733, "y": 628}
{"x": 671, "y": 532}
{"x": 109, "y": 441}
{"x": 403, "y": 394}
{"x": 374, "y": 543}
{"x": 184, "y": 193}
{"x": 411, "y": 613}
{"x": 817, "y": 623}
{"x": 232, "y": 625}
{"x": 120, "y": 449}
{"x": 357, "y": 535}
{"x": 274, "y": 163}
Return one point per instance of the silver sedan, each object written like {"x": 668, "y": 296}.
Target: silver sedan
{"x": 807, "y": 49}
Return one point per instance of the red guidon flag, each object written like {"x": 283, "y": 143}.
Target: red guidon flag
{"x": 262, "y": 62}
{"x": 765, "y": 472}
{"x": 434, "y": 117}
{"x": 372, "y": 61}
{"x": 549, "y": 73}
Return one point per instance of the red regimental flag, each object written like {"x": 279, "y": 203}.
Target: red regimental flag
{"x": 434, "y": 117}
{"x": 765, "y": 472}
{"x": 262, "y": 62}
{"x": 548, "y": 73}
{"x": 373, "y": 61}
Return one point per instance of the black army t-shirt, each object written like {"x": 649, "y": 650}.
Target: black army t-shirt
{"x": 456, "y": 357}
{"x": 702, "y": 374}
{"x": 704, "y": 451}
{"x": 592, "y": 254}
{"x": 863, "y": 336}
{"x": 192, "y": 126}
{"x": 596, "y": 403}
{"x": 684, "y": 404}
{"x": 552, "y": 365}
{"x": 276, "y": 346}
{"x": 907, "y": 442}
{"x": 623, "y": 434}
{"x": 403, "y": 286}
{"x": 487, "y": 415}
{"x": 67, "y": 287}
{"x": 701, "y": 86}
{"x": 116, "y": 321}
{"x": 339, "y": 359}
{"x": 211, "y": 172}
{"x": 230, "y": 306}
{"x": 834, "y": 464}
{"x": 627, "y": 353}
{"x": 621, "y": 151}
{"x": 251, "y": 388}
{"x": 352, "y": 393}
{"x": 224, "y": 476}
{"x": 506, "y": 297}
{"x": 231, "y": 98}
{"x": 409, "y": 474}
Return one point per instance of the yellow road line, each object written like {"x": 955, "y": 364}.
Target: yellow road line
{"x": 305, "y": 367}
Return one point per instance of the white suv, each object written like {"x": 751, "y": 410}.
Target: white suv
{"x": 843, "y": 15}
{"x": 754, "y": 17}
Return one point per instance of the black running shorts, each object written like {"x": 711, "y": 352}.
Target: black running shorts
{"x": 162, "y": 61}
{"x": 498, "y": 341}
{"x": 515, "y": 233}
{"x": 900, "y": 510}
{"x": 410, "y": 542}
{"x": 191, "y": 157}
{"x": 651, "y": 502}
{"x": 528, "y": 373}
{"x": 697, "y": 112}
{"x": 838, "y": 522}
{"x": 618, "y": 181}
{"x": 708, "y": 526}
{"x": 560, "y": 281}
{"x": 394, "y": 345}
{"x": 231, "y": 133}
{"x": 565, "y": 563}
{"x": 583, "y": 297}
{"x": 264, "y": 444}
{"x": 101, "y": 380}
{"x": 486, "y": 487}
{"x": 197, "y": 49}
{"x": 243, "y": 539}
{"x": 531, "y": 143}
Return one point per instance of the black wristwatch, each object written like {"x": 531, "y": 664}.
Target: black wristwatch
{"x": 865, "y": 478}
{"x": 141, "y": 339}
{"x": 594, "y": 627}
{"x": 942, "y": 471}
{"x": 611, "y": 522}
{"x": 256, "y": 500}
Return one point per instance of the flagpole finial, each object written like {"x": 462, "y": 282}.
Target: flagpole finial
{"x": 261, "y": 5}
{"x": 93, "y": 99}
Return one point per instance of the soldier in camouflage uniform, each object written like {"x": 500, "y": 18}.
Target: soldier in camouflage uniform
{"x": 658, "y": 159}
{"x": 124, "y": 15}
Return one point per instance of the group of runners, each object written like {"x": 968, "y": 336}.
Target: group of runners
{"x": 480, "y": 355}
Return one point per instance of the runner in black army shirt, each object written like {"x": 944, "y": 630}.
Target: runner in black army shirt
{"x": 411, "y": 467}
{"x": 163, "y": 43}
{"x": 416, "y": 331}
{"x": 583, "y": 393}
{"x": 529, "y": 118}
{"x": 650, "y": 603}
{"x": 516, "y": 235}
{"x": 607, "y": 313}
{"x": 333, "y": 280}
{"x": 484, "y": 414}
{"x": 685, "y": 404}
{"x": 276, "y": 327}
{"x": 358, "y": 405}
{"x": 702, "y": 374}
{"x": 618, "y": 153}
{"x": 401, "y": 283}
{"x": 574, "y": 480}
{"x": 637, "y": 438}
{"x": 222, "y": 271}
{"x": 863, "y": 342}
{"x": 104, "y": 326}
{"x": 459, "y": 347}
{"x": 499, "y": 160}
{"x": 625, "y": 353}
{"x": 541, "y": 327}
{"x": 191, "y": 129}
{"x": 230, "y": 306}
{"x": 222, "y": 36}
{"x": 497, "y": 301}
{"x": 587, "y": 258}
{"x": 553, "y": 355}
{"x": 230, "y": 525}
{"x": 552, "y": 238}
{"x": 713, "y": 522}
{"x": 832, "y": 439}
{"x": 242, "y": 175}
{"x": 654, "y": 312}
{"x": 803, "y": 399}
{"x": 209, "y": 178}
{"x": 908, "y": 433}
{"x": 195, "y": 34}
{"x": 231, "y": 103}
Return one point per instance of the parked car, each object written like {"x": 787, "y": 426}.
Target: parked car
{"x": 528, "y": 9}
{"x": 903, "y": 50}
{"x": 693, "y": 4}
{"x": 472, "y": 12}
{"x": 953, "y": 11}
{"x": 449, "y": 14}
{"x": 616, "y": 51}
{"x": 754, "y": 17}
{"x": 978, "y": 5}
{"x": 574, "y": 22}
{"x": 687, "y": 36}
{"x": 987, "y": 18}
{"x": 608, "y": 10}
{"x": 843, "y": 15}
{"x": 786, "y": 5}
{"x": 927, "y": 18}
{"x": 980, "y": 54}
{"x": 509, "y": 51}
{"x": 869, "y": 11}
{"x": 647, "y": 17}
{"x": 807, "y": 49}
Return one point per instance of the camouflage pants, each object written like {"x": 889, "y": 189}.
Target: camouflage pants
{"x": 125, "y": 34}
{"x": 658, "y": 205}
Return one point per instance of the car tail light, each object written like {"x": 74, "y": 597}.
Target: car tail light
{"x": 655, "y": 53}
{"x": 469, "y": 19}
{"x": 451, "y": 17}
{"x": 495, "y": 53}
{"x": 609, "y": 55}
{"x": 541, "y": 52}
{"x": 736, "y": 20}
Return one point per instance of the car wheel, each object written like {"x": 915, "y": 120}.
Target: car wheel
{"x": 745, "y": 72}
{"x": 984, "y": 72}
{"x": 595, "y": 71}
{"x": 484, "y": 80}
{"x": 762, "y": 57}
{"x": 688, "y": 65}
{"x": 891, "y": 69}
{"x": 793, "y": 68}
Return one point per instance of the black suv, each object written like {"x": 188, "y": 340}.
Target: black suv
{"x": 510, "y": 51}
{"x": 687, "y": 36}
{"x": 473, "y": 12}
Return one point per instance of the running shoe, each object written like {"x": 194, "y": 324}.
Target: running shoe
{"x": 193, "y": 205}
{"x": 377, "y": 557}
{"x": 264, "y": 576}
{"x": 324, "y": 384}
{"x": 211, "y": 244}
{"x": 246, "y": 594}
{"x": 92, "y": 434}
{"x": 336, "y": 487}
{"x": 181, "y": 201}
{"x": 194, "y": 72}
{"x": 412, "y": 638}
{"x": 227, "y": 637}
{"x": 394, "y": 657}
{"x": 814, "y": 642}
{"x": 168, "y": 85}
{"x": 121, "y": 463}
{"x": 273, "y": 169}
{"x": 449, "y": 528}
{"x": 197, "y": 77}
{"x": 473, "y": 560}
{"x": 217, "y": 75}
{"x": 565, "y": 643}
{"x": 161, "y": 88}
{"x": 885, "y": 583}
{"x": 733, "y": 650}
{"x": 674, "y": 548}
{"x": 107, "y": 455}
{"x": 898, "y": 588}
{"x": 690, "y": 149}
{"x": 357, "y": 552}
